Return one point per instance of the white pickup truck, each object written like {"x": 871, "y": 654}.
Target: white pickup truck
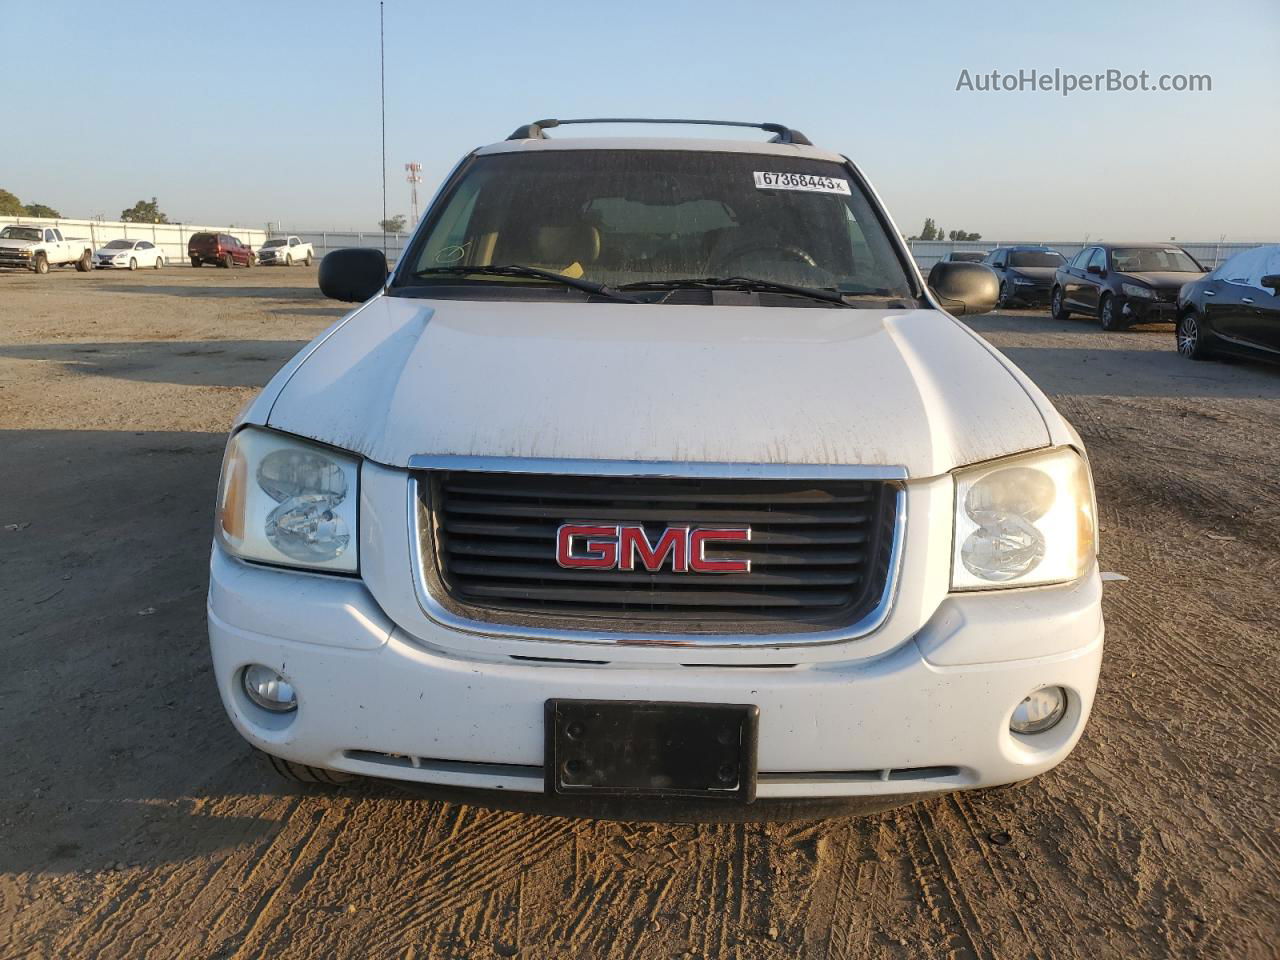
{"x": 38, "y": 248}
{"x": 656, "y": 482}
{"x": 285, "y": 251}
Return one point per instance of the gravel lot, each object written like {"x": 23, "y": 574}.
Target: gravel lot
{"x": 134, "y": 823}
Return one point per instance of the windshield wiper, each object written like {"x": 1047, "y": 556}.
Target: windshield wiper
{"x": 740, "y": 283}
{"x": 518, "y": 270}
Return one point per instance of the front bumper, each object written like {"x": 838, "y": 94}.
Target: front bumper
{"x": 1036, "y": 294}
{"x": 10, "y": 260}
{"x": 1137, "y": 310}
{"x": 929, "y": 715}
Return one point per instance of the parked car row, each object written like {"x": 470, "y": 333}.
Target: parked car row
{"x": 1233, "y": 310}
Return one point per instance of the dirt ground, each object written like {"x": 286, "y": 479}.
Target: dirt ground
{"x": 134, "y": 822}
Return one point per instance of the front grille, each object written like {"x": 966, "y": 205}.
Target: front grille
{"x": 820, "y": 551}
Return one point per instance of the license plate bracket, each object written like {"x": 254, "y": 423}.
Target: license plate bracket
{"x": 647, "y": 748}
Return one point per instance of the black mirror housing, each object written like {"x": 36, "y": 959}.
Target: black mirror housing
{"x": 965, "y": 288}
{"x": 354, "y": 274}
{"x": 1271, "y": 280}
{"x": 1093, "y": 268}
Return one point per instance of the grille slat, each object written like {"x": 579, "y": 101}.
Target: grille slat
{"x": 715, "y": 598}
{"x": 564, "y": 512}
{"x": 788, "y": 557}
{"x": 819, "y": 551}
{"x": 639, "y": 580}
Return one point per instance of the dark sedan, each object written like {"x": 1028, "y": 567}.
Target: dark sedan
{"x": 1026, "y": 273}
{"x": 1234, "y": 310}
{"x": 1124, "y": 283}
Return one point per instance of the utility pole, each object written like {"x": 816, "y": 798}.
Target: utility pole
{"x": 413, "y": 174}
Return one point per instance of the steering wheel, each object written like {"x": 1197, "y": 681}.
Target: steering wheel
{"x": 791, "y": 251}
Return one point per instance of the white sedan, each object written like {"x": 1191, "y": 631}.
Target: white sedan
{"x": 129, "y": 253}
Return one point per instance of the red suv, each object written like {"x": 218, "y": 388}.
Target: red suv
{"x": 220, "y": 248}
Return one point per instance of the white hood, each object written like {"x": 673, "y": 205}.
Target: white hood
{"x": 780, "y": 385}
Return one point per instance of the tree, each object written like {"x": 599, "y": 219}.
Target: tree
{"x": 961, "y": 235}
{"x": 10, "y": 206}
{"x": 144, "y": 211}
{"x": 40, "y": 210}
{"x": 394, "y": 224}
{"x": 929, "y": 231}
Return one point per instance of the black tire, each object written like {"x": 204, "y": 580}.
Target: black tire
{"x": 227, "y": 262}
{"x": 1190, "y": 337}
{"x": 251, "y": 261}
{"x": 307, "y": 260}
{"x": 85, "y": 263}
{"x": 195, "y": 261}
{"x": 1108, "y": 316}
{"x": 1057, "y": 305}
{"x": 133, "y": 263}
{"x": 159, "y": 262}
{"x": 1004, "y": 299}
{"x": 301, "y": 773}
{"x": 40, "y": 264}
{"x": 288, "y": 259}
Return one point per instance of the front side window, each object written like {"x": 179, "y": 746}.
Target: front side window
{"x": 620, "y": 217}
{"x": 1098, "y": 259}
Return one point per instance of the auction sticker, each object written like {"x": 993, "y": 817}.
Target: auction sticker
{"x": 801, "y": 181}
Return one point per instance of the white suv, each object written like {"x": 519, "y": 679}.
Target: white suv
{"x": 654, "y": 482}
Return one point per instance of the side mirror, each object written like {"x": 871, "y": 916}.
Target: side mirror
{"x": 1093, "y": 268}
{"x": 1271, "y": 280}
{"x": 354, "y": 274}
{"x": 965, "y": 288}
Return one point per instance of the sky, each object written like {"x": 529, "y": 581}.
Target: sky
{"x": 268, "y": 112}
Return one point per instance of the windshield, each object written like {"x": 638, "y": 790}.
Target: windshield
{"x": 120, "y": 245}
{"x": 620, "y": 217}
{"x": 1153, "y": 260}
{"x": 277, "y": 242}
{"x": 20, "y": 233}
{"x": 1036, "y": 258}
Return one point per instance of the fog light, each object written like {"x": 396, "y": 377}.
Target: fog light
{"x": 268, "y": 689}
{"x": 1040, "y": 711}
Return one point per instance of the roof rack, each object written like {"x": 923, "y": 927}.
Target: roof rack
{"x": 781, "y": 133}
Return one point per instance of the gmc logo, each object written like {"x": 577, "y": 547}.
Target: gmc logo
{"x": 620, "y": 547}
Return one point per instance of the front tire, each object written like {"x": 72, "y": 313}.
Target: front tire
{"x": 1190, "y": 337}
{"x": 85, "y": 263}
{"x": 307, "y": 260}
{"x": 133, "y": 263}
{"x": 288, "y": 259}
{"x": 1058, "y": 305}
{"x": 1002, "y": 302}
{"x": 251, "y": 261}
{"x": 1109, "y": 315}
{"x": 40, "y": 264}
{"x": 158, "y": 264}
{"x": 302, "y": 773}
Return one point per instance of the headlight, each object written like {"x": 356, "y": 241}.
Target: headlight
{"x": 1137, "y": 290}
{"x": 1023, "y": 521}
{"x": 286, "y": 501}
{"x": 1023, "y": 282}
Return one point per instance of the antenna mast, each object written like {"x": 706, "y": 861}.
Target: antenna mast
{"x": 382, "y": 72}
{"x": 413, "y": 174}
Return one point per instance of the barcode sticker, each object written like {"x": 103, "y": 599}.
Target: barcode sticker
{"x": 801, "y": 181}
